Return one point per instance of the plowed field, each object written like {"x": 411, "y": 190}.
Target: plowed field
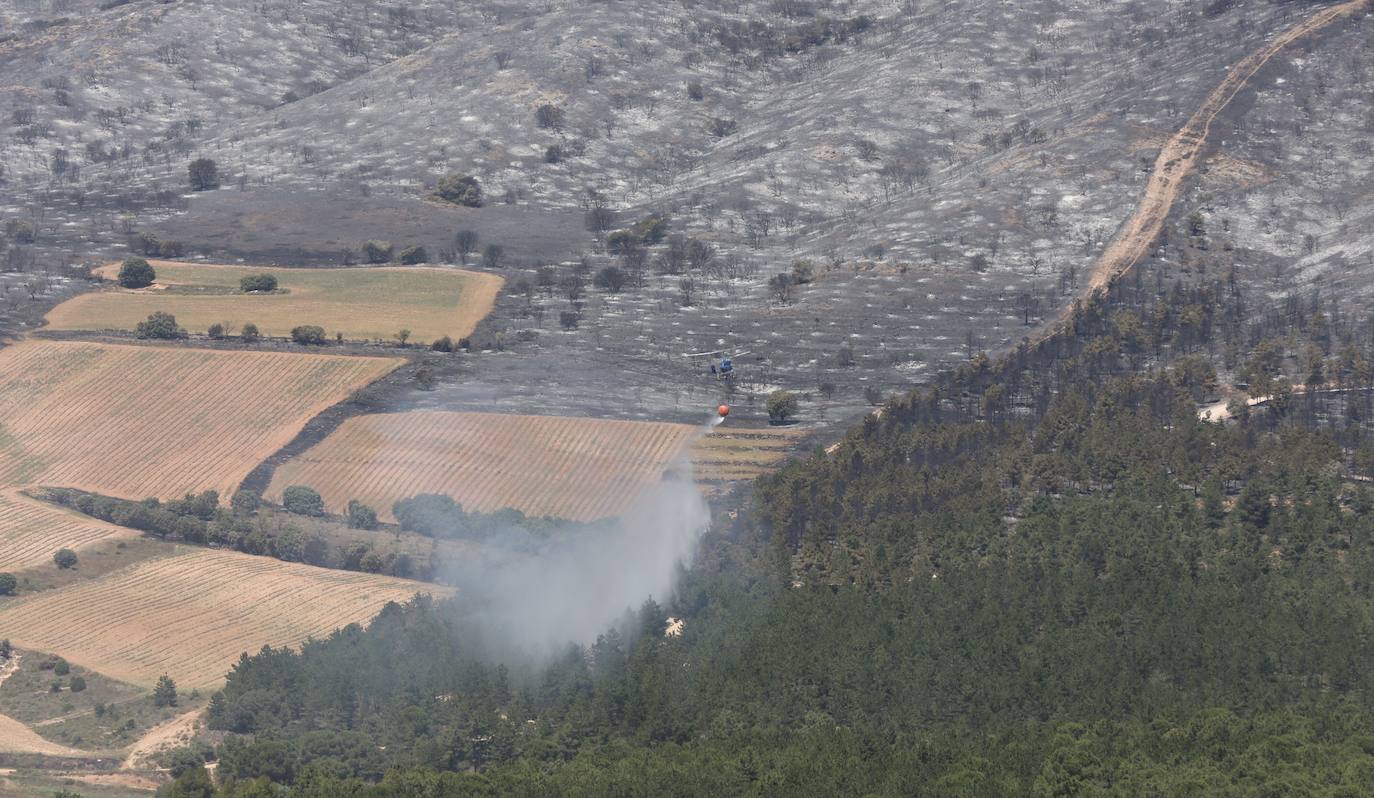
{"x": 31, "y": 531}
{"x": 576, "y": 468}
{"x": 190, "y": 615}
{"x": 139, "y": 421}
{"x": 364, "y": 303}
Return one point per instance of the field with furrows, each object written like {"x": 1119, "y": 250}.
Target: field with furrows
{"x": 139, "y": 421}
{"x": 730, "y": 455}
{"x": 575, "y": 468}
{"x": 363, "y": 303}
{"x": 191, "y": 614}
{"x": 31, "y": 531}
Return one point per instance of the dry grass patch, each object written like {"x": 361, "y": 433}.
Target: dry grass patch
{"x": 190, "y": 615}
{"x": 369, "y": 303}
{"x": 139, "y": 421}
{"x": 576, "y": 468}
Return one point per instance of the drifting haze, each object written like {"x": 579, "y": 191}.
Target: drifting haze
{"x": 533, "y": 596}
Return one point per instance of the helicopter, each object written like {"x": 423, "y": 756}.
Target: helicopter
{"x": 723, "y": 368}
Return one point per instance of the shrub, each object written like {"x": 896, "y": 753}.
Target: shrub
{"x": 21, "y": 230}
{"x": 651, "y": 230}
{"x": 258, "y": 282}
{"x": 360, "y": 516}
{"x": 694, "y": 91}
{"x": 302, "y": 500}
{"x": 460, "y": 189}
{"x": 492, "y": 254}
{"x": 549, "y": 117}
{"x": 720, "y": 128}
{"x": 78, "y": 684}
{"x": 171, "y": 249}
{"x": 61, "y": 667}
{"x": 149, "y": 243}
{"x": 611, "y": 278}
{"x": 377, "y": 251}
{"x": 553, "y": 153}
{"x": 308, "y": 334}
{"x": 65, "y": 559}
{"x": 568, "y": 319}
{"x": 413, "y": 255}
{"x": 204, "y": 174}
{"x": 250, "y": 333}
{"x": 442, "y": 344}
{"x": 136, "y": 273}
{"x": 8, "y": 584}
{"x": 621, "y": 241}
{"x": 160, "y": 325}
{"x": 215, "y": 331}
{"x": 781, "y": 405}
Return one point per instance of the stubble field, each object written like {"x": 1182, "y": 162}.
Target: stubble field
{"x": 360, "y": 303}
{"x": 575, "y": 468}
{"x": 140, "y": 421}
{"x": 191, "y": 614}
{"x": 31, "y": 531}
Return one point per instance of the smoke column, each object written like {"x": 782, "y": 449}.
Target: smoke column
{"x": 531, "y": 596}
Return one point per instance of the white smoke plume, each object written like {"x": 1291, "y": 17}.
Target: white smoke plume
{"x": 533, "y": 596}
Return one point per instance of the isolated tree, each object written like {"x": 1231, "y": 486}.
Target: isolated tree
{"x": 302, "y": 500}
{"x": 611, "y": 279}
{"x": 136, "y": 273}
{"x": 781, "y": 406}
{"x": 250, "y": 333}
{"x": 403, "y": 335}
{"x": 442, "y": 344}
{"x": 460, "y": 189}
{"x": 568, "y": 319}
{"x": 204, "y": 174}
{"x": 215, "y": 331}
{"x": 308, "y": 334}
{"x": 65, "y": 559}
{"x": 165, "y": 693}
{"x": 159, "y": 325}
{"x": 77, "y": 684}
{"x": 258, "y": 283}
{"x": 8, "y": 584}
{"x": 360, "y": 516}
{"x": 781, "y": 284}
{"x": 492, "y": 254}
{"x": 411, "y": 256}
{"x": 465, "y": 242}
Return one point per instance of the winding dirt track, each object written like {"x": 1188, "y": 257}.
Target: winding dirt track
{"x": 1180, "y": 155}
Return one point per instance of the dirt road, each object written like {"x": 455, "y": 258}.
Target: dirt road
{"x": 1179, "y": 157}
{"x": 168, "y": 734}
